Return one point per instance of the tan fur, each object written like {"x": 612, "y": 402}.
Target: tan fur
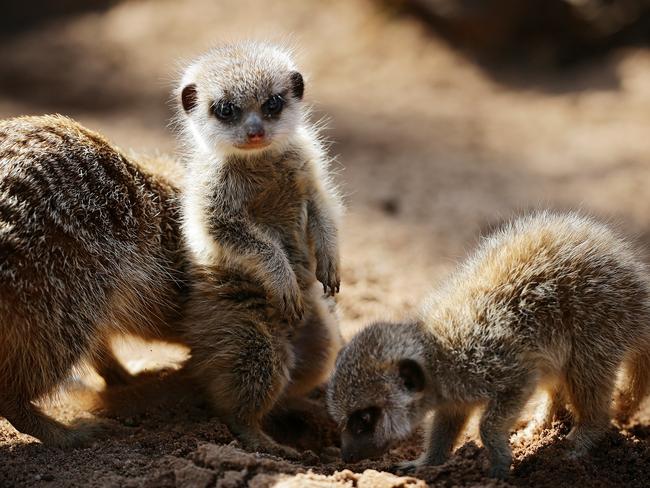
{"x": 552, "y": 299}
{"x": 261, "y": 225}
{"x": 90, "y": 247}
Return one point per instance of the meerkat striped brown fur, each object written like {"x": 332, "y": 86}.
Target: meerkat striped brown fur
{"x": 260, "y": 214}
{"x": 553, "y": 300}
{"x": 90, "y": 247}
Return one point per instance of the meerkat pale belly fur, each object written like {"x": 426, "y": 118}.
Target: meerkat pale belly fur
{"x": 260, "y": 214}
{"x": 557, "y": 301}
{"x": 90, "y": 247}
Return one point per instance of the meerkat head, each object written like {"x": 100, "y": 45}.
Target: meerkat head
{"x": 376, "y": 393}
{"x": 242, "y": 98}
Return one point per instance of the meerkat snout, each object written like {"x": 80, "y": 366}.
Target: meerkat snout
{"x": 364, "y": 434}
{"x": 254, "y": 127}
{"x": 358, "y": 435}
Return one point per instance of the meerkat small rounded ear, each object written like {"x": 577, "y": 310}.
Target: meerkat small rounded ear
{"x": 297, "y": 85}
{"x": 411, "y": 374}
{"x": 189, "y": 97}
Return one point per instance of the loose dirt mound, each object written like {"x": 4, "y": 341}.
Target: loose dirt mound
{"x": 161, "y": 435}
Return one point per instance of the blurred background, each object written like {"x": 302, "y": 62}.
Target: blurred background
{"x": 446, "y": 116}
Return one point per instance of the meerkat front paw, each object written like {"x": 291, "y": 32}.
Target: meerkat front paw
{"x": 327, "y": 272}
{"x": 290, "y": 302}
{"x": 415, "y": 464}
{"x": 253, "y": 439}
{"x": 624, "y": 407}
{"x": 499, "y": 471}
{"x": 406, "y": 467}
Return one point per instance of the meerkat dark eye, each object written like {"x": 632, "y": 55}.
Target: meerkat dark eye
{"x": 225, "y": 111}
{"x": 273, "y": 106}
{"x": 363, "y": 421}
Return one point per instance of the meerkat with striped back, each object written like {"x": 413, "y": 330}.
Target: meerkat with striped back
{"x": 90, "y": 247}
{"x": 260, "y": 213}
{"x": 555, "y": 300}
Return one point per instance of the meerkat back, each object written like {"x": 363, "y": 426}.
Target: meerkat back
{"x": 87, "y": 242}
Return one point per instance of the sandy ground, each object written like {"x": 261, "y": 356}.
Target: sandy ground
{"x": 432, "y": 151}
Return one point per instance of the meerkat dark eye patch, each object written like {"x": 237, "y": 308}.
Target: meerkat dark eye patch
{"x": 226, "y": 111}
{"x": 297, "y": 85}
{"x": 189, "y": 97}
{"x": 411, "y": 374}
{"x": 363, "y": 421}
{"x": 273, "y": 106}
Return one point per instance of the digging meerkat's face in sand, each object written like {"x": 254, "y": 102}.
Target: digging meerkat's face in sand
{"x": 376, "y": 392}
{"x": 242, "y": 99}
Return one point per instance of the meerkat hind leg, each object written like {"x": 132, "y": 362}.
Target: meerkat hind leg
{"x": 110, "y": 368}
{"x": 315, "y": 346}
{"x": 556, "y": 406}
{"x": 244, "y": 368}
{"x": 28, "y": 419}
{"x": 637, "y": 376}
{"x": 590, "y": 395}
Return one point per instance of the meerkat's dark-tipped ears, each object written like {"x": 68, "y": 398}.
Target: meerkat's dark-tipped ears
{"x": 297, "y": 85}
{"x": 412, "y": 375}
{"x": 189, "y": 97}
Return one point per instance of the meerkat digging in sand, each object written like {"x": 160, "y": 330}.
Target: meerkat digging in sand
{"x": 556, "y": 300}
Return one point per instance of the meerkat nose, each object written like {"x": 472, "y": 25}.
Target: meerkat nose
{"x": 254, "y": 128}
{"x": 257, "y": 136}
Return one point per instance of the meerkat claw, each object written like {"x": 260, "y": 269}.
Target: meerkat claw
{"x": 406, "y": 467}
{"x": 292, "y": 308}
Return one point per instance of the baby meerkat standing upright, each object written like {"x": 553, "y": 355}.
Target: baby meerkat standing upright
{"x": 260, "y": 218}
{"x": 556, "y": 300}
